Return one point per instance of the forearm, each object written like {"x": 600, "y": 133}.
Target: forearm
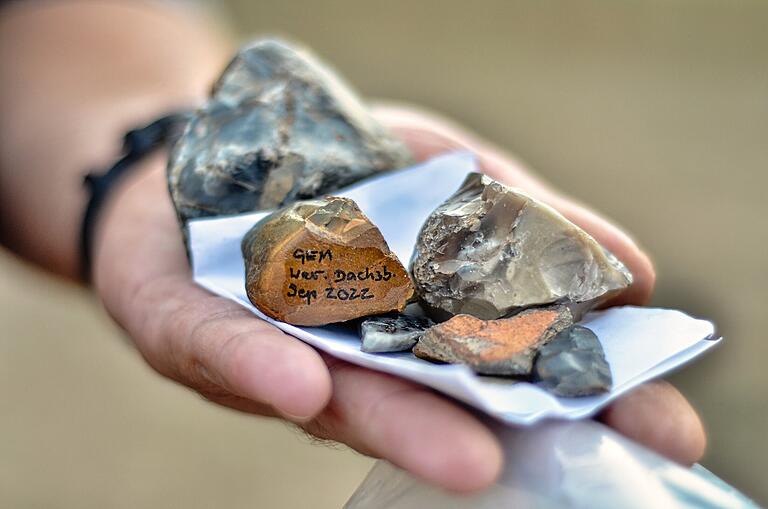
{"x": 73, "y": 78}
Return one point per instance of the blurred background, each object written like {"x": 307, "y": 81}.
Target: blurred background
{"x": 654, "y": 112}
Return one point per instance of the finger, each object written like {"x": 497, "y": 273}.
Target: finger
{"x": 220, "y": 348}
{"x": 658, "y": 416}
{"x": 410, "y": 426}
{"x": 428, "y": 135}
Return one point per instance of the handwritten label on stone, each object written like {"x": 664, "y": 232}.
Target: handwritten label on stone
{"x": 335, "y": 280}
{"x": 322, "y": 261}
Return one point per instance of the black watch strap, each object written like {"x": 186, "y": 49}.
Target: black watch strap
{"x": 137, "y": 144}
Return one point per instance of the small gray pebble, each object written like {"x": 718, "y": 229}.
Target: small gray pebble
{"x": 392, "y": 333}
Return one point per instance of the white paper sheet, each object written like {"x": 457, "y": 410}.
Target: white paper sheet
{"x": 640, "y": 343}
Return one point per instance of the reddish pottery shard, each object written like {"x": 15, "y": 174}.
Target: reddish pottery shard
{"x": 493, "y": 347}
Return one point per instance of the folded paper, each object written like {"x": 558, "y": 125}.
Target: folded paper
{"x": 639, "y": 343}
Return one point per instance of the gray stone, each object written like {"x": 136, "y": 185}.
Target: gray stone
{"x": 491, "y": 250}
{"x": 573, "y": 364}
{"x": 392, "y": 333}
{"x": 280, "y": 126}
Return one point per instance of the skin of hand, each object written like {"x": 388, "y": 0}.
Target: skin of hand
{"x": 67, "y": 94}
{"x": 232, "y": 358}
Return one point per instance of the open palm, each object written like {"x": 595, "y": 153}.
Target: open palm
{"x": 233, "y": 358}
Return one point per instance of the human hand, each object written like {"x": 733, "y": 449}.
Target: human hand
{"x": 222, "y": 351}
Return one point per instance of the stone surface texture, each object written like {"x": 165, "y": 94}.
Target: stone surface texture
{"x": 392, "y": 333}
{"x": 322, "y": 261}
{"x": 573, "y": 364}
{"x": 491, "y": 250}
{"x": 279, "y": 126}
{"x": 493, "y": 347}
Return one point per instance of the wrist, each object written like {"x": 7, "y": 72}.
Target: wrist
{"x": 59, "y": 122}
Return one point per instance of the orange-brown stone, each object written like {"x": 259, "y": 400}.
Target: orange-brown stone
{"x": 495, "y": 347}
{"x": 322, "y": 261}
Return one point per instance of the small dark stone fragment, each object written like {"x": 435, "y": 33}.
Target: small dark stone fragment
{"x": 573, "y": 364}
{"x": 392, "y": 333}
